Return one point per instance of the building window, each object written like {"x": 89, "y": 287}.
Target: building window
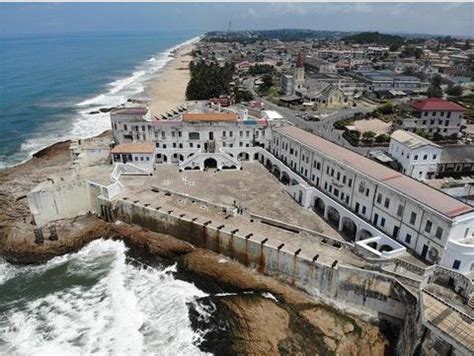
{"x": 367, "y": 192}
{"x": 439, "y": 232}
{"x": 379, "y": 198}
{"x": 412, "y": 218}
{"x": 125, "y": 127}
{"x": 415, "y": 158}
{"x": 456, "y": 264}
{"x": 364, "y": 209}
{"x": 400, "y": 210}
{"x": 382, "y": 222}
{"x": 408, "y": 238}
{"x": 434, "y": 156}
{"x": 344, "y": 180}
{"x": 425, "y": 157}
{"x": 350, "y": 183}
{"x": 361, "y": 188}
{"x": 428, "y": 226}
{"x": 387, "y": 203}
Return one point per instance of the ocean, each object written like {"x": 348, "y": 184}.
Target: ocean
{"x": 98, "y": 301}
{"x": 49, "y": 84}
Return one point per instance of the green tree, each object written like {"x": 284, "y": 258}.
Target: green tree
{"x": 454, "y": 90}
{"x": 382, "y": 138}
{"x": 434, "y": 90}
{"x": 368, "y": 135}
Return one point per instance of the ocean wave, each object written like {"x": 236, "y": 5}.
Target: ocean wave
{"x": 127, "y": 310}
{"x": 84, "y": 124}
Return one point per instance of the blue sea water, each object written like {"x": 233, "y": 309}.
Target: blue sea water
{"x": 49, "y": 84}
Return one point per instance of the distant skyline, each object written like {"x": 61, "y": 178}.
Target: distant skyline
{"x": 428, "y": 18}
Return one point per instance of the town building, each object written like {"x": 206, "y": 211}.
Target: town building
{"x": 456, "y": 161}
{"x": 433, "y": 116}
{"x": 417, "y": 156}
{"x": 387, "y": 80}
{"x": 434, "y": 225}
{"x": 299, "y": 72}
{"x": 358, "y": 196}
{"x": 287, "y": 85}
{"x": 199, "y": 137}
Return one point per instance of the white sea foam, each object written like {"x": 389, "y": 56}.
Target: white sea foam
{"x": 117, "y": 93}
{"x": 129, "y": 310}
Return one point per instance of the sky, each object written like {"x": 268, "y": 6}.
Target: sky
{"x": 430, "y": 18}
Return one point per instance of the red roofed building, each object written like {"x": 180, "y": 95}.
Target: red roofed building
{"x": 436, "y": 104}
{"x": 435, "y": 116}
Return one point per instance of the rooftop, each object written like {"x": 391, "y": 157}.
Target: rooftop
{"x": 458, "y": 153}
{"x": 130, "y": 111}
{"x": 431, "y": 197}
{"x": 209, "y": 117}
{"x": 412, "y": 140}
{"x": 436, "y": 104}
{"x": 134, "y": 148}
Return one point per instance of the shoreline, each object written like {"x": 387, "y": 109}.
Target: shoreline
{"x": 152, "y": 86}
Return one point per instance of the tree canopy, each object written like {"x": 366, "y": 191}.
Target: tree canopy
{"x": 209, "y": 81}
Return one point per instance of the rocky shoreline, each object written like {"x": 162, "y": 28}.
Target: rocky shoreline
{"x": 254, "y": 314}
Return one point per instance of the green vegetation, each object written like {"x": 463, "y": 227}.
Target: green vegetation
{"x": 209, "y": 81}
{"x": 412, "y": 51}
{"x": 264, "y": 88}
{"x": 454, "y": 90}
{"x": 376, "y": 37}
{"x": 434, "y": 90}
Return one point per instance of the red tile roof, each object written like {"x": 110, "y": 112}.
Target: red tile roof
{"x": 134, "y": 148}
{"x": 209, "y": 117}
{"x": 436, "y": 104}
{"x": 421, "y": 192}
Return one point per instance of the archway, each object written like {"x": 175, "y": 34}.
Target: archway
{"x": 210, "y": 163}
{"x": 285, "y": 178}
{"x": 276, "y": 172}
{"x": 333, "y": 217}
{"x": 386, "y": 248}
{"x": 255, "y": 156}
{"x": 243, "y": 156}
{"x": 268, "y": 164}
{"x": 175, "y": 158}
{"x": 372, "y": 244}
{"x": 365, "y": 234}
{"x": 349, "y": 228}
{"x": 319, "y": 206}
{"x": 161, "y": 158}
{"x": 294, "y": 182}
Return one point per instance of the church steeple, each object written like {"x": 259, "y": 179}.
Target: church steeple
{"x": 299, "y": 71}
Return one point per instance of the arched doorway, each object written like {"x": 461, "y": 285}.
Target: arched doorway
{"x": 319, "y": 206}
{"x": 210, "y": 163}
{"x": 243, "y": 156}
{"x": 276, "y": 172}
{"x": 268, "y": 164}
{"x": 333, "y": 217}
{"x": 349, "y": 228}
{"x": 285, "y": 178}
{"x": 160, "y": 158}
{"x": 255, "y": 156}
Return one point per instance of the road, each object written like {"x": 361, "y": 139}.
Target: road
{"x": 323, "y": 128}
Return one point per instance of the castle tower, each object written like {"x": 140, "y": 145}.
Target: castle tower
{"x": 299, "y": 72}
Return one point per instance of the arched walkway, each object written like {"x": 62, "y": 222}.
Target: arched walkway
{"x": 319, "y": 206}
{"x": 333, "y": 217}
{"x": 349, "y": 228}
{"x": 276, "y": 172}
{"x": 255, "y": 156}
{"x": 210, "y": 163}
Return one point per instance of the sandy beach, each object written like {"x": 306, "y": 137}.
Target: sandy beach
{"x": 168, "y": 90}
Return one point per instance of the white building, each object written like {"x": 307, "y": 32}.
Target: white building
{"x": 434, "y": 116}
{"x": 417, "y": 156}
{"x": 434, "y": 225}
{"x": 194, "y": 140}
{"x": 358, "y": 196}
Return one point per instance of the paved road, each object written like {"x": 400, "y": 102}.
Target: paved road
{"x": 323, "y": 128}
